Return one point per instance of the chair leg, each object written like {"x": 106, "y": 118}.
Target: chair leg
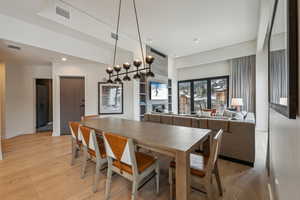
{"x": 157, "y": 171}
{"x": 97, "y": 176}
{"x": 77, "y": 149}
{"x": 171, "y": 183}
{"x": 84, "y": 162}
{"x": 218, "y": 180}
{"x": 134, "y": 189}
{"x": 108, "y": 182}
{"x": 73, "y": 152}
{"x": 208, "y": 187}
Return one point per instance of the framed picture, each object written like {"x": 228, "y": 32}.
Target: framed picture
{"x": 110, "y": 98}
{"x": 283, "y": 58}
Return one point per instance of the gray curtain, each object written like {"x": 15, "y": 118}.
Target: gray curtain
{"x": 278, "y": 76}
{"x": 242, "y": 81}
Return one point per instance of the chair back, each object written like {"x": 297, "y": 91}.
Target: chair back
{"x": 120, "y": 149}
{"x": 89, "y": 117}
{"x": 74, "y": 127}
{"x": 89, "y": 139}
{"x": 215, "y": 150}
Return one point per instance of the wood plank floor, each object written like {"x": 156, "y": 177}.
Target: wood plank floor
{"x": 37, "y": 167}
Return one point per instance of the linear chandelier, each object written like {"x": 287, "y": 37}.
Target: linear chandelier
{"x": 140, "y": 71}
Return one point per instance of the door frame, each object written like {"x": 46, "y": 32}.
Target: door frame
{"x": 59, "y": 77}
{"x": 35, "y": 101}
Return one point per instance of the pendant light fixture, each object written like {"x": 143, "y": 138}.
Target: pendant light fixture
{"x": 140, "y": 65}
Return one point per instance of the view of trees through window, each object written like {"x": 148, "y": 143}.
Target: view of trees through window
{"x": 184, "y": 98}
{"x": 200, "y": 95}
{"x": 219, "y": 93}
{"x": 210, "y": 93}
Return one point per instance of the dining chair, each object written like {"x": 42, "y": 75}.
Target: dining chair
{"x": 86, "y": 117}
{"x": 76, "y": 140}
{"x": 93, "y": 147}
{"x": 125, "y": 161}
{"x": 202, "y": 169}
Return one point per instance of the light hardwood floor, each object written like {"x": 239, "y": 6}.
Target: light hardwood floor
{"x": 37, "y": 167}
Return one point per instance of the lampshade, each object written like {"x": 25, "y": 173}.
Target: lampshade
{"x": 237, "y": 102}
{"x": 283, "y": 101}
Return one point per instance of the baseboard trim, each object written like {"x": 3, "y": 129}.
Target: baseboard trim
{"x": 243, "y": 162}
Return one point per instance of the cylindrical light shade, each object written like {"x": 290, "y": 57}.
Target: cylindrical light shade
{"x": 237, "y": 102}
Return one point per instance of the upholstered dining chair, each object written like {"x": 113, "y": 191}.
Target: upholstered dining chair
{"x": 125, "y": 161}
{"x": 94, "y": 149}
{"x": 76, "y": 140}
{"x": 202, "y": 169}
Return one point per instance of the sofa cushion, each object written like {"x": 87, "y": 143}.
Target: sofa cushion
{"x": 206, "y": 114}
{"x": 195, "y": 123}
{"x": 154, "y": 118}
{"x": 146, "y": 117}
{"x": 218, "y": 124}
{"x": 203, "y": 123}
{"x": 182, "y": 121}
{"x": 166, "y": 119}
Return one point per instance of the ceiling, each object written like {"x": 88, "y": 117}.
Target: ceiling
{"x": 172, "y": 25}
{"x": 33, "y": 55}
{"x": 179, "y": 27}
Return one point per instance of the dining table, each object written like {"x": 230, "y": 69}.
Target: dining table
{"x": 175, "y": 141}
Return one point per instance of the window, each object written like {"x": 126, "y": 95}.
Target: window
{"x": 219, "y": 93}
{"x": 208, "y": 93}
{"x": 184, "y": 95}
{"x": 200, "y": 95}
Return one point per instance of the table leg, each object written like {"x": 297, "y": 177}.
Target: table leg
{"x": 183, "y": 176}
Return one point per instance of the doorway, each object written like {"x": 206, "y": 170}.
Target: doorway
{"x": 72, "y": 101}
{"x": 44, "y": 105}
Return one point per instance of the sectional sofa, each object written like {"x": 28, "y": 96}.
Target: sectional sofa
{"x": 238, "y": 142}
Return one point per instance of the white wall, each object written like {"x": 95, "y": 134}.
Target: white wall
{"x": 264, "y": 20}
{"x": 20, "y": 97}
{"x": 2, "y": 106}
{"x": 262, "y": 82}
{"x": 93, "y": 74}
{"x": 262, "y": 102}
{"x": 217, "y": 55}
{"x": 44, "y": 38}
{"x": 204, "y": 71}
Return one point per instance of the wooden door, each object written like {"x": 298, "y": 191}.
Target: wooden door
{"x": 72, "y": 101}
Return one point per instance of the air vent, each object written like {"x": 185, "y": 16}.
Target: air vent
{"x": 114, "y": 36}
{"x": 14, "y": 47}
{"x": 158, "y": 53}
{"x": 62, "y": 12}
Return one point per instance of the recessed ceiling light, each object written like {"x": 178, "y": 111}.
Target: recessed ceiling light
{"x": 196, "y": 40}
{"x": 64, "y": 59}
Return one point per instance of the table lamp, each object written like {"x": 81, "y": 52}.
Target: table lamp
{"x": 237, "y": 102}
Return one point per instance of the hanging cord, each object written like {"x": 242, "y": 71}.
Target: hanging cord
{"x": 117, "y": 32}
{"x": 139, "y": 33}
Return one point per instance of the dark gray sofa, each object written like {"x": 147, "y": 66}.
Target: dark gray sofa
{"x": 238, "y": 143}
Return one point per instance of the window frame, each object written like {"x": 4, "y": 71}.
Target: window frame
{"x": 209, "y": 79}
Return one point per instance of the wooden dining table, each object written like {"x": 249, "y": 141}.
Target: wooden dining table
{"x": 174, "y": 141}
